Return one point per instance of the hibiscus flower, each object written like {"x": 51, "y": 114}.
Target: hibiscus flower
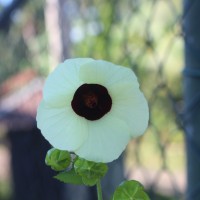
{"x": 92, "y": 108}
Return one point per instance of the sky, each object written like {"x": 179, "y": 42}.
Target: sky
{"x": 5, "y": 2}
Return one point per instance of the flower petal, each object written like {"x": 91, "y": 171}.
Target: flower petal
{"x": 130, "y": 105}
{"x": 60, "y": 85}
{"x": 106, "y": 73}
{"x": 107, "y": 139}
{"x": 61, "y": 127}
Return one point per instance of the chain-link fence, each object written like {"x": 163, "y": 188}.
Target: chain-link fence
{"x": 147, "y": 36}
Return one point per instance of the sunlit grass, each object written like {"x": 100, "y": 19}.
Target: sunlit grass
{"x": 5, "y": 190}
{"x": 5, "y": 177}
{"x": 152, "y": 160}
{"x": 150, "y": 153}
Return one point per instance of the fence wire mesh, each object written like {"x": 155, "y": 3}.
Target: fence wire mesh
{"x": 147, "y": 36}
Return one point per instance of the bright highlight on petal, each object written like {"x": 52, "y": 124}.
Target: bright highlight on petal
{"x": 60, "y": 85}
{"x": 130, "y": 106}
{"x": 61, "y": 127}
{"x": 106, "y": 73}
{"x": 92, "y": 107}
{"x": 109, "y": 137}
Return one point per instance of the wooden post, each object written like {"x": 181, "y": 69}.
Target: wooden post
{"x": 57, "y": 27}
{"x": 191, "y": 31}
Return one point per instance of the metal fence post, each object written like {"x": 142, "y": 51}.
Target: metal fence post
{"x": 191, "y": 28}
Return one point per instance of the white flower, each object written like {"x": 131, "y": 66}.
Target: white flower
{"x": 93, "y": 108}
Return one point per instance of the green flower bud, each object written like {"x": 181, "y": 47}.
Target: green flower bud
{"x": 58, "y": 160}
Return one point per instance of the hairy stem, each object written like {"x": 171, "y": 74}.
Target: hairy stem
{"x": 99, "y": 190}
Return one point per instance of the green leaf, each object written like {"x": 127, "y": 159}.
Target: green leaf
{"x": 69, "y": 177}
{"x": 130, "y": 190}
{"x": 89, "y": 181}
{"x": 90, "y": 169}
{"x": 90, "y": 172}
{"x": 58, "y": 160}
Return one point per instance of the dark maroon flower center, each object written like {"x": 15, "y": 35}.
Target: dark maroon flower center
{"x": 91, "y": 101}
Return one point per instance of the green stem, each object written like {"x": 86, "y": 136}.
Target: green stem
{"x": 99, "y": 190}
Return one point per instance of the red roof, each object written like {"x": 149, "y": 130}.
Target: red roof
{"x": 17, "y": 81}
{"x": 22, "y": 92}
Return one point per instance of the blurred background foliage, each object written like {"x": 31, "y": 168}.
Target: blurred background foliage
{"x": 144, "y": 35}
{"x": 24, "y": 44}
